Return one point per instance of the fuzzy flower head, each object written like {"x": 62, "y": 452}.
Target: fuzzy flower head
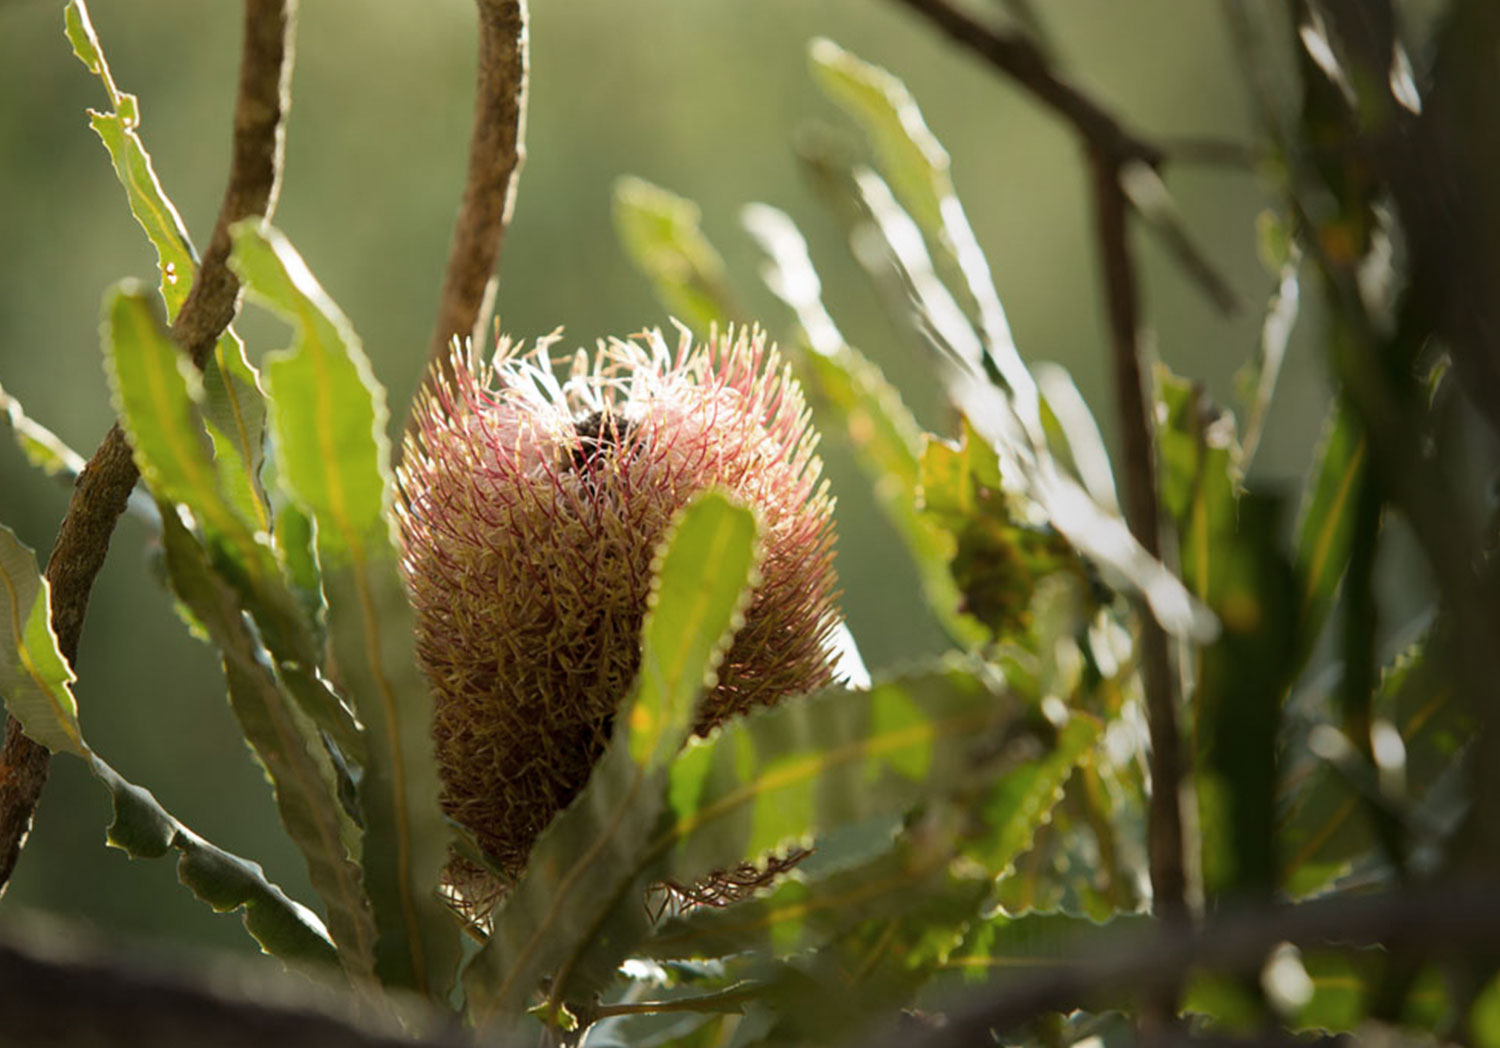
{"x": 531, "y": 509}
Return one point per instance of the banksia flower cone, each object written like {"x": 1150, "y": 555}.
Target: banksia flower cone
{"x": 531, "y": 510}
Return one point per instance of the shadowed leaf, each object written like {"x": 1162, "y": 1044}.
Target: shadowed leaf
{"x": 328, "y": 415}
{"x": 1326, "y": 520}
{"x": 289, "y": 747}
{"x": 143, "y": 829}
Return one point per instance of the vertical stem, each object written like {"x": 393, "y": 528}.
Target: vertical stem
{"x": 496, "y": 152}
{"x": 1164, "y": 825}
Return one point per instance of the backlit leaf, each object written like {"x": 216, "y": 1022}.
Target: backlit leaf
{"x": 35, "y": 679}
{"x": 660, "y": 233}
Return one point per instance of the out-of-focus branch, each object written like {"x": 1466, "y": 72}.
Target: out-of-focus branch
{"x": 1015, "y": 55}
{"x": 104, "y": 487}
{"x": 1438, "y": 921}
{"x": 1111, "y": 151}
{"x": 68, "y": 1001}
{"x": 496, "y": 152}
{"x": 1165, "y": 841}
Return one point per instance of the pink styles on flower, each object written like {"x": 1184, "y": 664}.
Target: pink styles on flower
{"x": 531, "y": 509}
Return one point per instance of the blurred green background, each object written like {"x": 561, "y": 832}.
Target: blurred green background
{"x": 700, "y": 96}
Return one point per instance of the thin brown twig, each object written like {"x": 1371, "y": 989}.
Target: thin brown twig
{"x": 497, "y": 150}
{"x": 1165, "y": 841}
{"x": 1026, "y": 63}
{"x": 105, "y": 485}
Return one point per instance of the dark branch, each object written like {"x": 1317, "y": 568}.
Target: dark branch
{"x": 496, "y": 152}
{"x": 1015, "y": 55}
{"x": 104, "y": 487}
{"x": 68, "y": 1001}
{"x": 1432, "y": 922}
{"x": 1168, "y": 883}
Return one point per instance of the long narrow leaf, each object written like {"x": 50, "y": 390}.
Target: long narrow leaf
{"x": 288, "y": 745}
{"x": 328, "y": 415}
{"x": 236, "y": 410}
{"x": 1326, "y": 519}
{"x": 156, "y": 396}
{"x": 143, "y": 829}
{"x": 584, "y": 866}
{"x": 918, "y": 167}
{"x": 660, "y": 233}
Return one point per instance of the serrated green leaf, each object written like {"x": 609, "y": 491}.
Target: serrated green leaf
{"x": 148, "y": 202}
{"x": 328, "y": 414}
{"x": 288, "y": 745}
{"x": 143, "y": 829}
{"x": 156, "y": 393}
{"x": 783, "y": 776}
{"x": 700, "y": 588}
{"x": 660, "y": 233}
{"x": 1023, "y": 800}
{"x": 1326, "y": 519}
{"x": 805, "y": 911}
{"x": 235, "y": 410}
{"x": 35, "y": 679}
{"x": 558, "y": 917}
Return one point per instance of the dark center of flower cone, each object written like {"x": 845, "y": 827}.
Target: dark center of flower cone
{"x": 598, "y": 432}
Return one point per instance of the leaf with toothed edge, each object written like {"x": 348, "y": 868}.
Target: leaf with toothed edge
{"x": 328, "y": 415}
{"x": 288, "y": 746}
{"x": 156, "y": 394}
{"x": 34, "y": 683}
{"x": 235, "y": 409}
{"x": 143, "y": 829}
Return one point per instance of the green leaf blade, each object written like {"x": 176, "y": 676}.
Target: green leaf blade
{"x": 143, "y": 829}
{"x": 572, "y": 913}
{"x": 148, "y": 201}
{"x": 289, "y": 747}
{"x": 35, "y": 679}
{"x": 699, "y": 591}
{"x": 661, "y": 235}
{"x": 328, "y": 415}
